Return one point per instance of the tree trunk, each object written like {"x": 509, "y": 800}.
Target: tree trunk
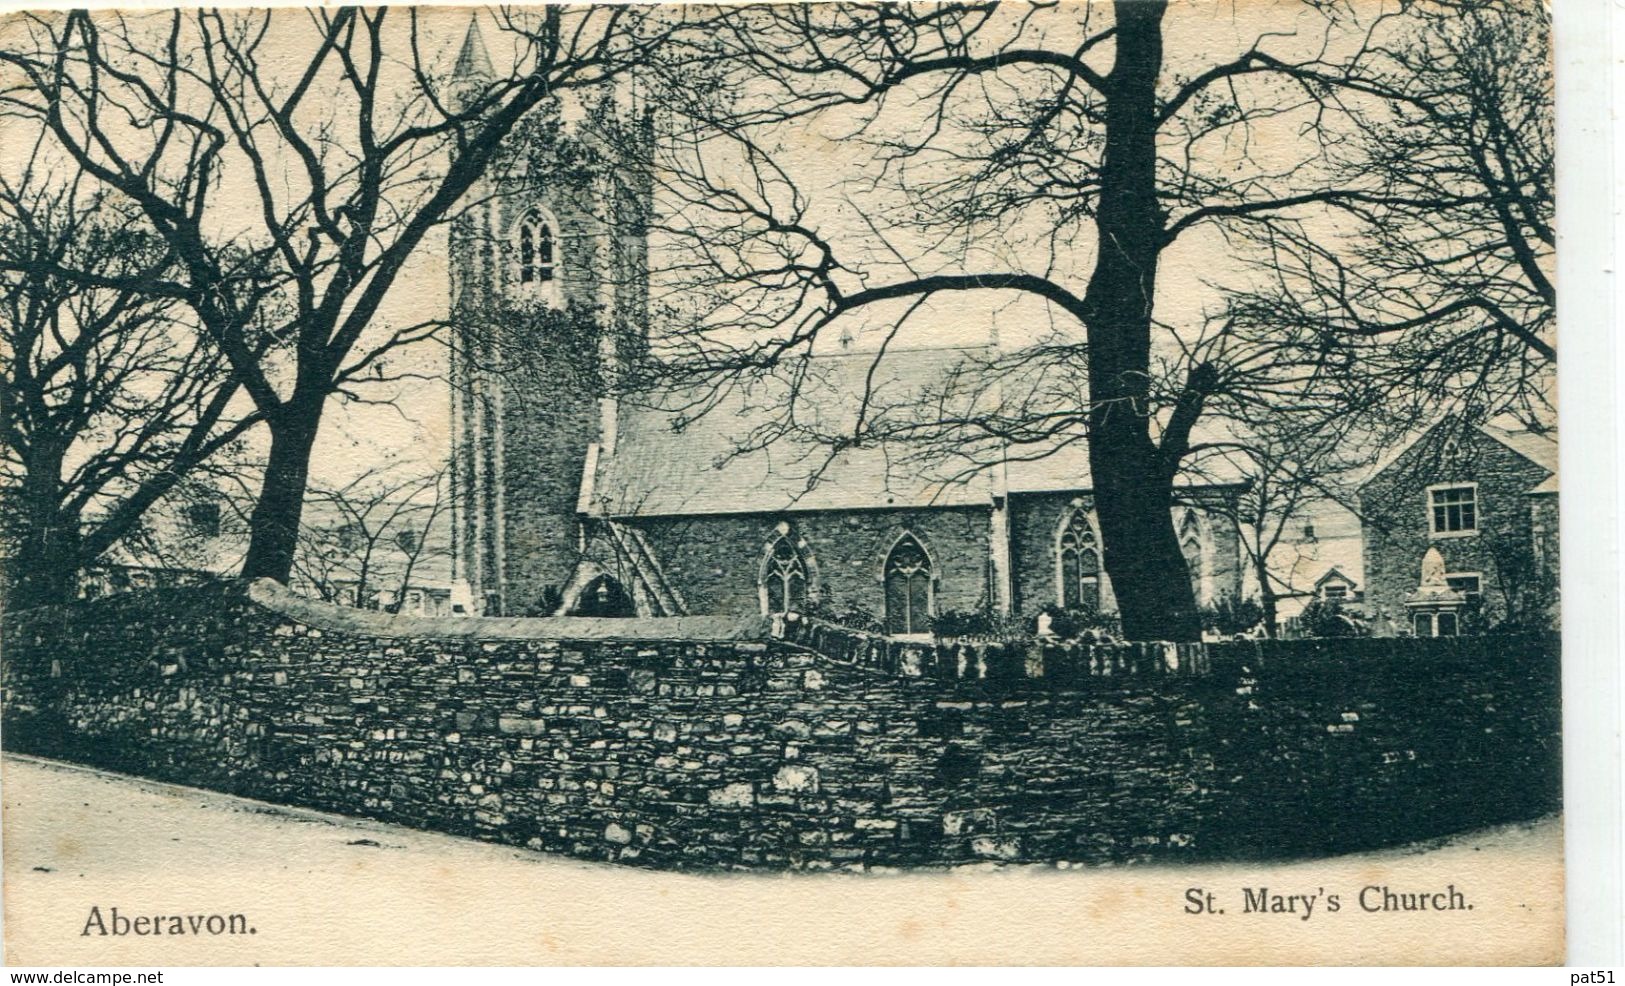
{"x": 1266, "y": 596}
{"x": 47, "y": 563}
{"x": 275, "y": 520}
{"x": 1133, "y": 479}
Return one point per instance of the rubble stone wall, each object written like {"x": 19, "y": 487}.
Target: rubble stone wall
{"x": 701, "y": 744}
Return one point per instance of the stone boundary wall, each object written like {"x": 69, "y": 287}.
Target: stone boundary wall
{"x": 1027, "y": 664}
{"x": 721, "y": 751}
{"x": 995, "y": 662}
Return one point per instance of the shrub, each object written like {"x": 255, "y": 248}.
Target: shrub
{"x": 851, "y": 616}
{"x": 1327, "y": 618}
{"x": 547, "y": 602}
{"x": 953, "y": 623}
{"x": 979, "y": 623}
{"x": 1231, "y": 616}
{"x": 1073, "y": 624}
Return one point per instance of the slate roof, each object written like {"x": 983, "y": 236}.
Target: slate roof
{"x": 1334, "y": 573}
{"x": 664, "y": 464}
{"x": 1541, "y": 449}
{"x": 1546, "y": 486}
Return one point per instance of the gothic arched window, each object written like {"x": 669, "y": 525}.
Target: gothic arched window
{"x": 538, "y": 251}
{"x": 1080, "y": 564}
{"x": 908, "y": 587}
{"x": 784, "y": 578}
{"x": 1190, "y": 544}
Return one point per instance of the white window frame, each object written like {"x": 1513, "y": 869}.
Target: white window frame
{"x": 1478, "y": 510}
{"x": 1467, "y": 575}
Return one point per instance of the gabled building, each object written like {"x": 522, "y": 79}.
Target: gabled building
{"x": 574, "y": 498}
{"x": 1460, "y": 530}
{"x": 1336, "y": 587}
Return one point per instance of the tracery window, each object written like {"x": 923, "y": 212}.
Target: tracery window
{"x": 908, "y": 587}
{"x": 784, "y": 578}
{"x": 537, "y": 250}
{"x": 1080, "y": 564}
{"x": 1190, "y": 545}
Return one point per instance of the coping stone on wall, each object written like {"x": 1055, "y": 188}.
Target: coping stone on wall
{"x": 274, "y": 596}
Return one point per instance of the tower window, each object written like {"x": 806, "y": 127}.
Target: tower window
{"x": 204, "y": 518}
{"x": 1469, "y": 584}
{"x": 538, "y": 251}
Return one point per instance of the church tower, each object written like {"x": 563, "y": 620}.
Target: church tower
{"x": 548, "y": 266}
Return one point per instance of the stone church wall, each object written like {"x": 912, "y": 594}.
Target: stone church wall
{"x": 715, "y": 561}
{"x": 688, "y": 744}
{"x": 1036, "y": 519}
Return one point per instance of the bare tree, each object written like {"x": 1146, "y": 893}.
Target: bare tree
{"x": 1289, "y": 472}
{"x": 301, "y": 185}
{"x": 1031, "y": 144}
{"x": 370, "y": 537}
{"x": 1435, "y": 285}
{"x": 108, "y": 397}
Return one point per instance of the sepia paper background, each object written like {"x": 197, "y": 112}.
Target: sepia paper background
{"x": 462, "y": 905}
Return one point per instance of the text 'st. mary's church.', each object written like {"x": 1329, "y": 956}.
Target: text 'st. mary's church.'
{"x": 570, "y": 500}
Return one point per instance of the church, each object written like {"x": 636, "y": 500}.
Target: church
{"x": 573, "y": 496}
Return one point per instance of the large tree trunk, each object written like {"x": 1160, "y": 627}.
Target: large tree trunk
{"x": 46, "y": 567}
{"x": 1132, "y": 478}
{"x": 275, "y": 521}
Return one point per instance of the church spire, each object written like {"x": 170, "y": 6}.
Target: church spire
{"x": 473, "y": 62}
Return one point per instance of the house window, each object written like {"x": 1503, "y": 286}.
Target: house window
{"x": 1453, "y": 509}
{"x": 1335, "y": 590}
{"x": 537, "y": 249}
{"x": 1466, "y": 583}
{"x": 414, "y": 602}
{"x": 908, "y": 587}
{"x": 1080, "y": 564}
{"x": 784, "y": 578}
{"x": 1423, "y": 624}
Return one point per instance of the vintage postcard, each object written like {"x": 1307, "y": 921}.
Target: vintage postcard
{"x": 1007, "y": 483}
